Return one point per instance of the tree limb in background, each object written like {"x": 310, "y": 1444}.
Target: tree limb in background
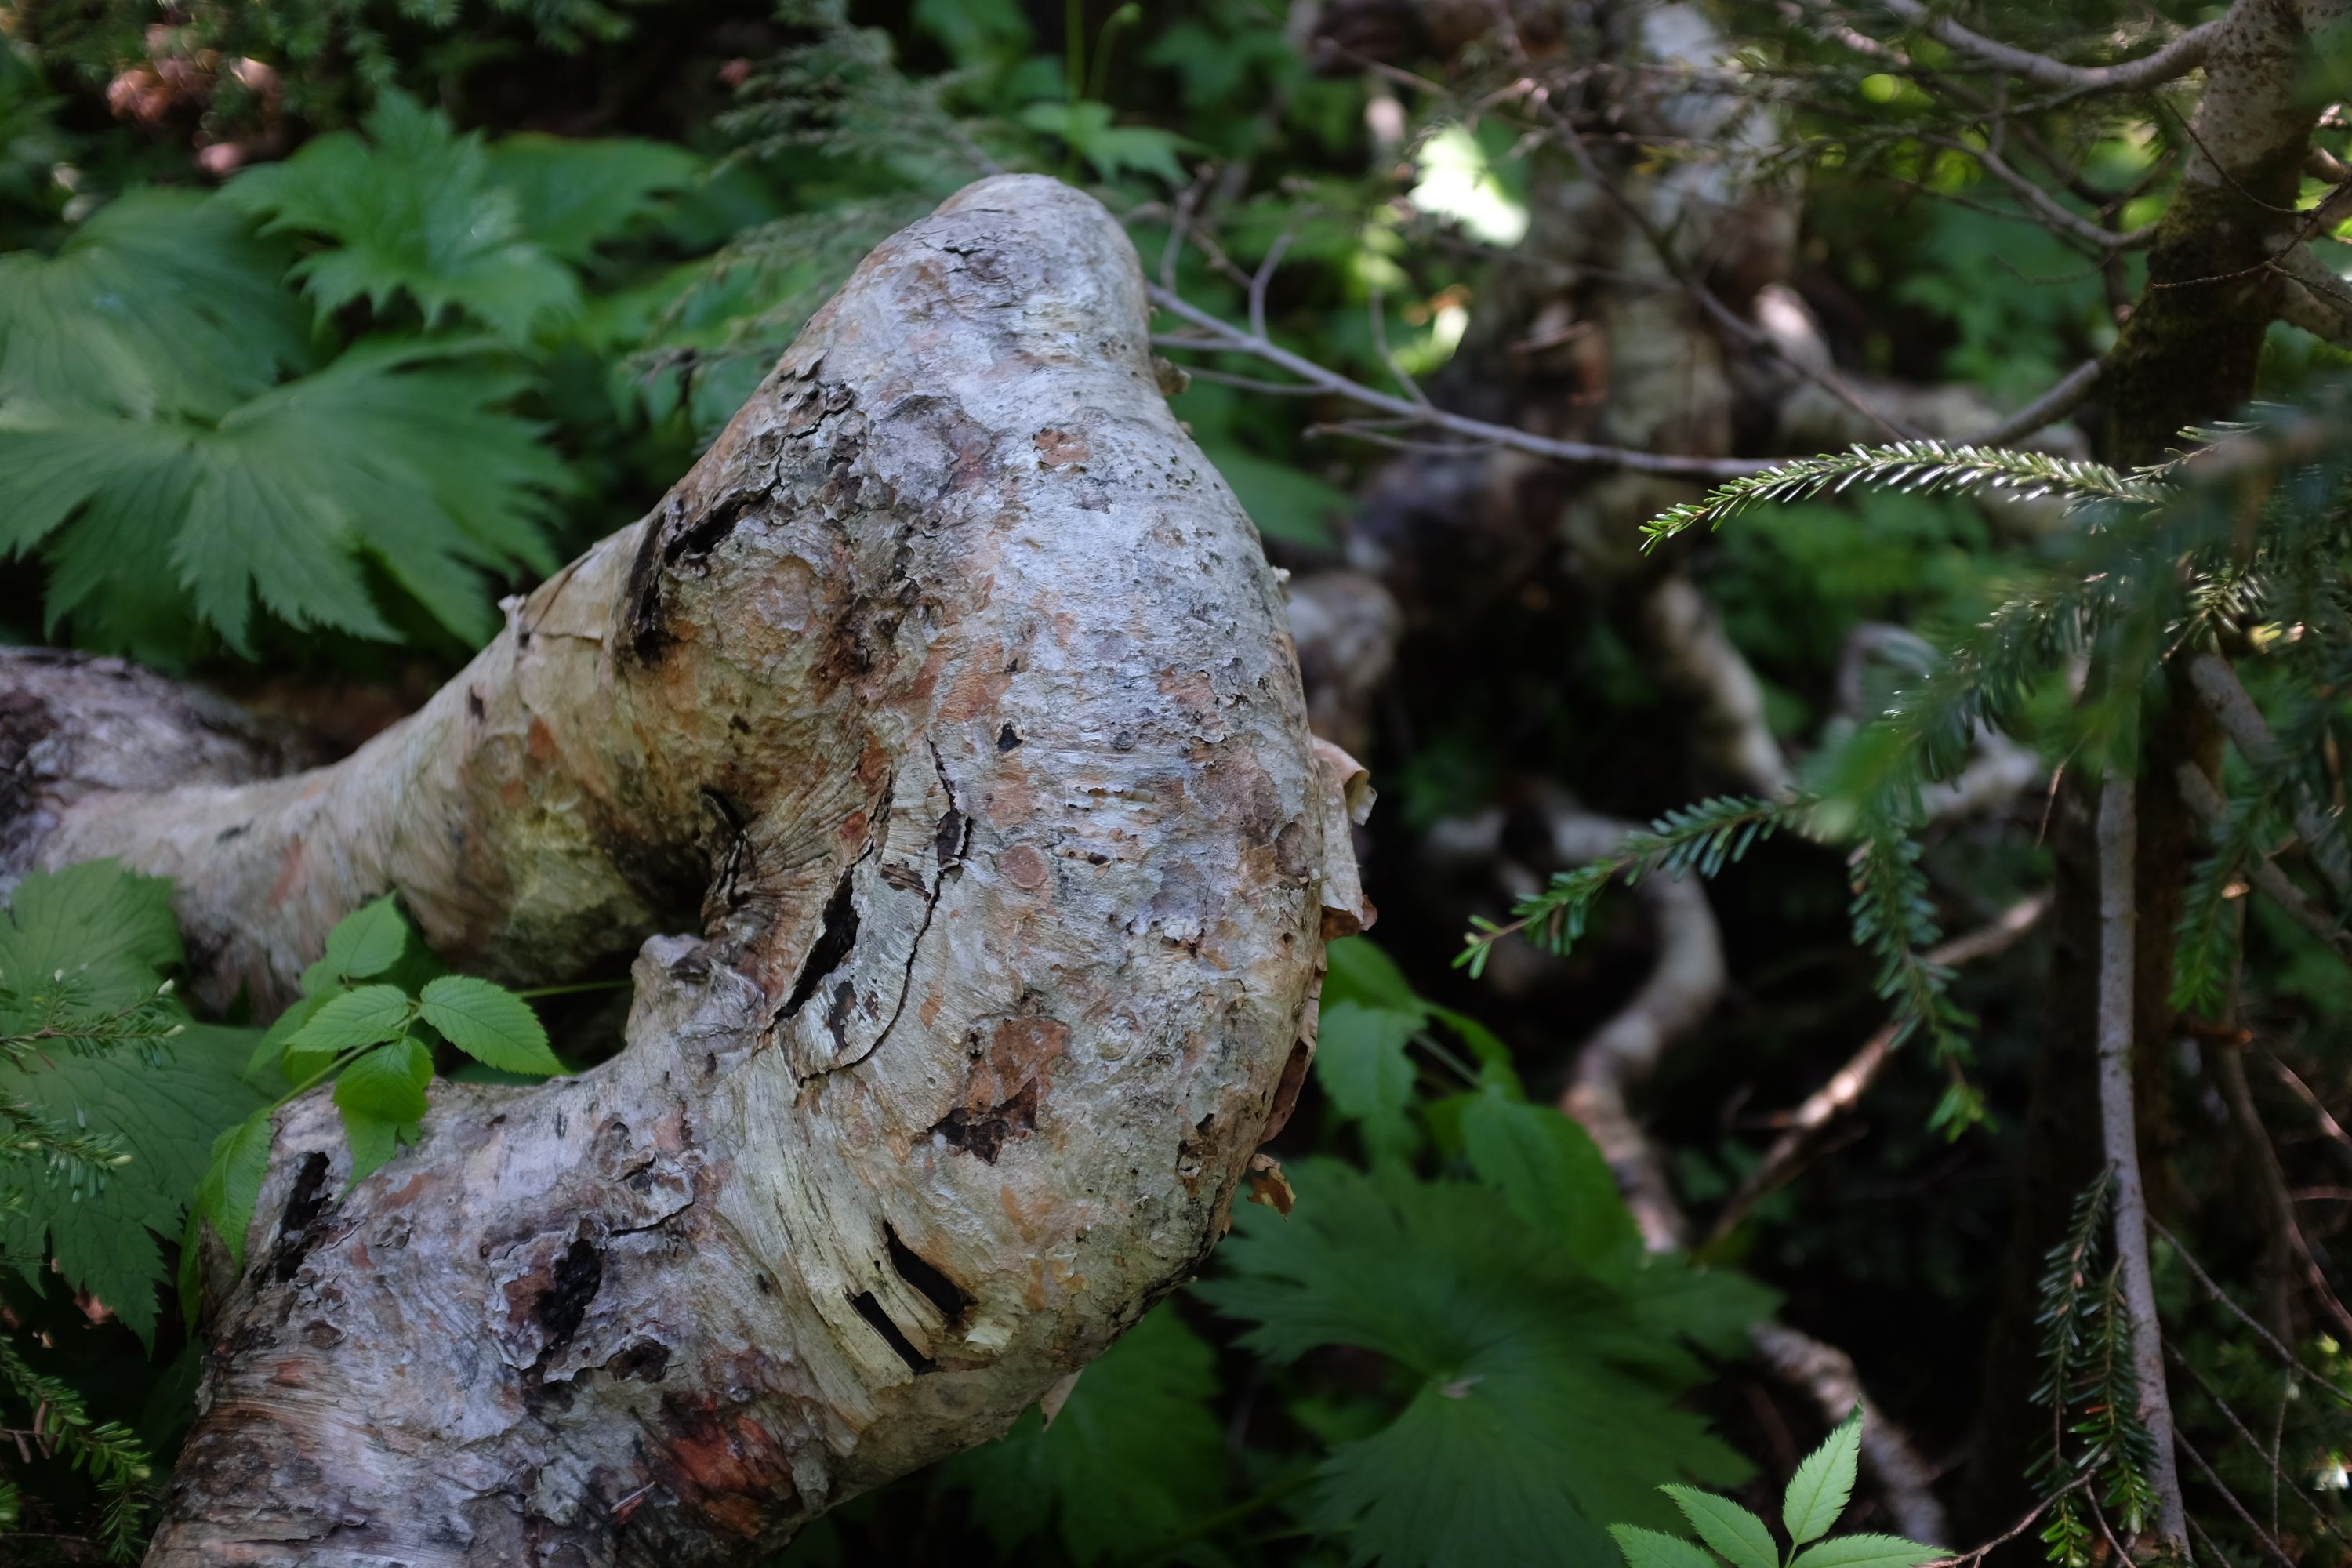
{"x": 2172, "y": 61}
{"x": 1682, "y": 988}
{"x": 1223, "y": 337}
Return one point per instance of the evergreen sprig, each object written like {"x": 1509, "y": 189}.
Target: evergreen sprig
{"x": 58, "y": 1423}
{"x": 1704, "y": 839}
{"x": 2089, "y": 1387}
{"x": 1923, "y": 466}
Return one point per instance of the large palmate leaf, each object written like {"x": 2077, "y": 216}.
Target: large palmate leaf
{"x": 81, "y": 951}
{"x": 163, "y": 302}
{"x": 1135, "y": 1454}
{"x": 165, "y": 1115}
{"x": 1541, "y": 1404}
{"x": 573, "y": 195}
{"x": 413, "y": 209}
{"x": 375, "y": 458}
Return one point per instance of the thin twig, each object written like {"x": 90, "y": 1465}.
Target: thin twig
{"x": 2219, "y": 685}
{"x": 1236, "y": 340}
{"x": 1970, "y": 1559}
{"x": 2045, "y": 207}
{"x": 2287, "y": 1358}
{"x": 1734, "y": 325}
{"x": 2236, "y": 1507}
{"x": 2118, "y": 835}
{"x": 2318, "y": 1514}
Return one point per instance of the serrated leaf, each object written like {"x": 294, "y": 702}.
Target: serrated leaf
{"x": 229, "y": 1189}
{"x": 1360, "y": 1061}
{"x": 1824, "y": 1483}
{"x": 1545, "y": 1408}
{"x": 368, "y": 941}
{"x": 106, "y": 925}
{"x": 272, "y": 1046}
{"x": 1553, "y": 1177}
{"x": 412, "y": 210}
{"x": 1359, "y": 972}
{"x": 1868, "y": 1552}
{"x": 382, "y": 457}
{"x": 490, "y": 1024}
{"x": 570, "y": 195}
{"x": 1134, "y": 1455}
{"x": 1650, "y": 1549}
{"x": 1726, "y": 1526}
{"x": 387, "y": 1084}
{"x": 366, "y": 1016}
{"x": 161, "y": 303}
{"x": 167, "y": 1114}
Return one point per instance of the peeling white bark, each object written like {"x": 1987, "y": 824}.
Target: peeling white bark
{"x": 953, "y": 685}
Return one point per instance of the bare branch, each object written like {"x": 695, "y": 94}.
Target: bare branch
{"x": 1236, "y": 340}
{"x": 2277, "y": 1552}
{"x": 2047, "y": 207}
{"x": 2047, "y": 409}
{"x": 1735, "y": 326}
{"x": 2118, "y": 837}
{"x": 2174, "y": 60}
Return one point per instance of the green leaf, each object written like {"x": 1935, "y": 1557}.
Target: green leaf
{"x": 1553, "y": 1177}
{"x": 388, "y": 1084}
{"x": 226, "y": 1193}
{"x": 374, "y": 1140}
{"x": 107, "y": 926}
{"x": 167, "y": 1114}
{"x": 1648, "y": 1549}
{"x": 490, "y": 1024}
{"x": 570, "y": 195}
{"x": 1730, "y": 1529}
{"x": 380, "y": 458}
{"x": 1819, "y": 1491}
{"x": 1360, "y": 972}
{"x": 1360, "y": 1061}
{"x": 365, "y": 943}
{"x": 1868, "y": 1552}
{"x": 366, "y": 1016}
{"x": 1545, "y": 1397}
{"x": 1135, "y": 1456}
{"x": 161, "y": 303}
{"x": 412, "y": 210}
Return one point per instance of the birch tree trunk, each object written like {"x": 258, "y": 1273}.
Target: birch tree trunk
{"x": 951, "y": 701}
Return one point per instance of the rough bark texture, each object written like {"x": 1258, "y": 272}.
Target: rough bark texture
{"x": 954, "y": 685}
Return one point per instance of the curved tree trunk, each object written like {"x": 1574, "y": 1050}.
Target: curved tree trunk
{"x": 953, "y": 684}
